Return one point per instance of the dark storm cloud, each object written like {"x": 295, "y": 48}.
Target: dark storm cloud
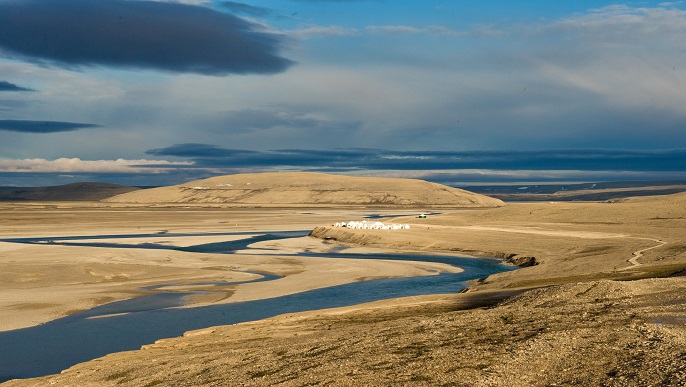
{"x": 6, "y": 86}
{"x": 211, "y": 156}
{"x": 245, "y": 9}
{"x": 376, "y": 159}
{"x": 27, "y": 126}
{"x": 142, "y": 34}
{"x": 192, "y": 150}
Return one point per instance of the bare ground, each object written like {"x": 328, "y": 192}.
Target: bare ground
{"x": 600, "y": 333}
{"x": 603, "y": 305}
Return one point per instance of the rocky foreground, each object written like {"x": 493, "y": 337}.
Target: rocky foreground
{"x": 601, "y": 333}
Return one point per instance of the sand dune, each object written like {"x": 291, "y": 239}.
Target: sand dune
{"x": 300, "y": 188}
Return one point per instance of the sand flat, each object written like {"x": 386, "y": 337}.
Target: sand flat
{"x": 173, "y": 241}
{"x": 571, "y": 241}
{"x": 42, "y": 282}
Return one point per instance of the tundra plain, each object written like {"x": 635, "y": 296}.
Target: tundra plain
{"x": 601, "y": 301}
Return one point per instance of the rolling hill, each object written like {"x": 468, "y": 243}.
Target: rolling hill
{"x": 299, "y": 188}
{"x": 68, "y": 192}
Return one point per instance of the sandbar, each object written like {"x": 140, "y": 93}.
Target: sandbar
{"x": 45, "y": 281}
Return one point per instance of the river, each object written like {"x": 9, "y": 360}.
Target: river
{"x": 127, "y": 325}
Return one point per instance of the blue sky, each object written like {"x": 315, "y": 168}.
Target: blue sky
{"x": 461, "y": 92}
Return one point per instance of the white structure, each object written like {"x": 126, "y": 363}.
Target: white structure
{"x": 364, "y": 225}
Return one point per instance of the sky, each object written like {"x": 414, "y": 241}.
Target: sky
{"x": 460, "y": 92}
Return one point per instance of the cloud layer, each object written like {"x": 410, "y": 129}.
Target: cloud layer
{"x": 245, "y": 9}
{"x": 206, "y": 155}
{"x": 76, "y": 165}
{"x": 554, "y": 91}
{"x": 451, "y": 168}
{"x": 28, "y": 126}
{"x": 6, "y": 86}
{"x": 137, "y": 34}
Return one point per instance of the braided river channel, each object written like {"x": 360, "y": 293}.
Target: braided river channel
{"x": 127, "y": 325}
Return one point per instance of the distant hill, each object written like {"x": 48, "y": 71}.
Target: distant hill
{"x": 596, "y": 192}
{"x": 69, "y": 192}
{"x": 299, "y": 188}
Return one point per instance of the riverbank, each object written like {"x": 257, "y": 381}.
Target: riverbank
{"x": 595, "y": 333}
{"x": 44, "y": 281}
{"x": 560, "y": 243}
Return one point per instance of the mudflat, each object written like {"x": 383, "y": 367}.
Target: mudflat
{"x": 601, "y": 301}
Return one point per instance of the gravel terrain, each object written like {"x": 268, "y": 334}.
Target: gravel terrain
{"x": 601, "y": 333}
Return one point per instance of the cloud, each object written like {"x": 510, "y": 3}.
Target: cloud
{"x": 333, "y": 31}
{"x": 6, "y": 86}
{"x": 322, "y": 31}
{"x": 629, "y": 59}
{"x": 245, "y": 9}
{"x": 550, "y": 83}
{"x": 268, "y": 118}
{"x": 462, "y": 178}
{"x": 192, "y": 150}
{"x": 452, "y": 168}
{"x": 12, "y": 104}
{"x": 276, "y": 126}
{"x": 164, "y": 36}
{"x": 426, "y": 30}
{"x": 27, "y": 126}
{"x": 378, "y": 159}
{"x": 623, "y": 24}
{"x": 76, "y": 165}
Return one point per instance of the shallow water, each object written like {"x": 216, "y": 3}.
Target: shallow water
{"x": 127, "y": 325}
